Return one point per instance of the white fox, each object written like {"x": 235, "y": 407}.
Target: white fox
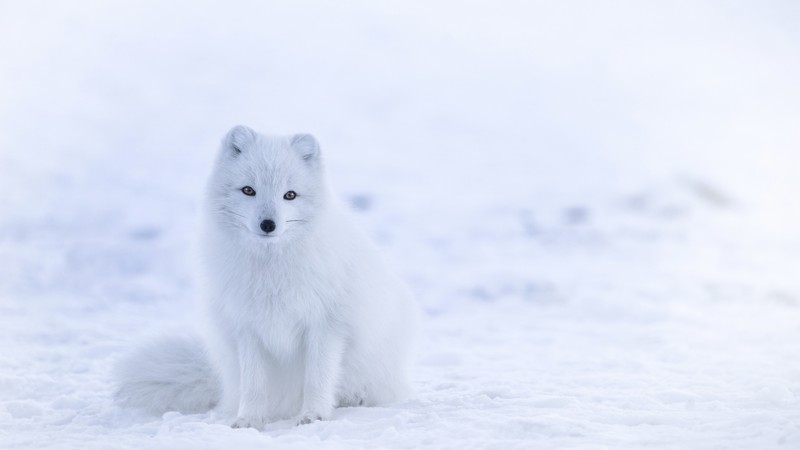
{"x": 303, "y": 315}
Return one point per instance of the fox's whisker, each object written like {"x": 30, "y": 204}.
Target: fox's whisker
{"x": 228, "y": 211}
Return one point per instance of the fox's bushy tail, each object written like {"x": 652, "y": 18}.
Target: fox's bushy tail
{"x": 168, "y": 374}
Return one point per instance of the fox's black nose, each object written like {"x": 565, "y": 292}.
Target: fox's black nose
{"x": 267, "y": 226}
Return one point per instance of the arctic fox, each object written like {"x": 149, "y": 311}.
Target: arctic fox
{"x": 302, "y": 314}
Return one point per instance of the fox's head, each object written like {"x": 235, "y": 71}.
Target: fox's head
{"x": 269, "y": 187}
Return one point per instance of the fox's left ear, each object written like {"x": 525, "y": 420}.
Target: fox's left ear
{"x": 308, "y": 147}
{"x": 237, "y": 139}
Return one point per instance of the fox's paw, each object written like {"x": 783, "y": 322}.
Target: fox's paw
{"x": 244, "y": 422}
{"x": 307, "y": 418}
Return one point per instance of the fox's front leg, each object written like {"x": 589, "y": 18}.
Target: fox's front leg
{"x": 253, "y": 406}
{"x": 323, "y": 361}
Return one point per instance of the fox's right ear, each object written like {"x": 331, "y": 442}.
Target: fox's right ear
{"x": 237, "y": 139}
{"x": 307, "y": 145}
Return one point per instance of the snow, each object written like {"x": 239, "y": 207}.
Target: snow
{"x": 595, "y": 204}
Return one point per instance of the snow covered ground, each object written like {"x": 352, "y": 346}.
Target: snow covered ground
{"x": 595, "y": 202}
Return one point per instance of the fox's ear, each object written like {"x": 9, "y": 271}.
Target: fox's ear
{"x": 307, "y": 145}
{"x": 237, "y": 139}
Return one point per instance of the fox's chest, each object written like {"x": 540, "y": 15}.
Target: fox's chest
{"x": 282, "y": 333}
{"x": 281, "y": 306}
{"x": 279, "y": 299}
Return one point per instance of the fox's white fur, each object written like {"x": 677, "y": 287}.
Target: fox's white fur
{"x": 301, "y": 319}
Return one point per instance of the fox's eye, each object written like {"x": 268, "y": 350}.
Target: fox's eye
{"x": 291, "y": 195}
{"x": 247, "y": 190}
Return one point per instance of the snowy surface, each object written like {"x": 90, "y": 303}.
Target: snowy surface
{"x": 596, "y": 204}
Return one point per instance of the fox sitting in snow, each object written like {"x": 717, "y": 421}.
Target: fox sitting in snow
{"x": 302, "y": 314}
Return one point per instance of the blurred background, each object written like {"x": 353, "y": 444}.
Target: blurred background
{"x": 568, "y": 187}
{"x": 445, "y": 115}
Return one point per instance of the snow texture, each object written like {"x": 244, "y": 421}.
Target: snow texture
{"x": 595, "y": 203}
